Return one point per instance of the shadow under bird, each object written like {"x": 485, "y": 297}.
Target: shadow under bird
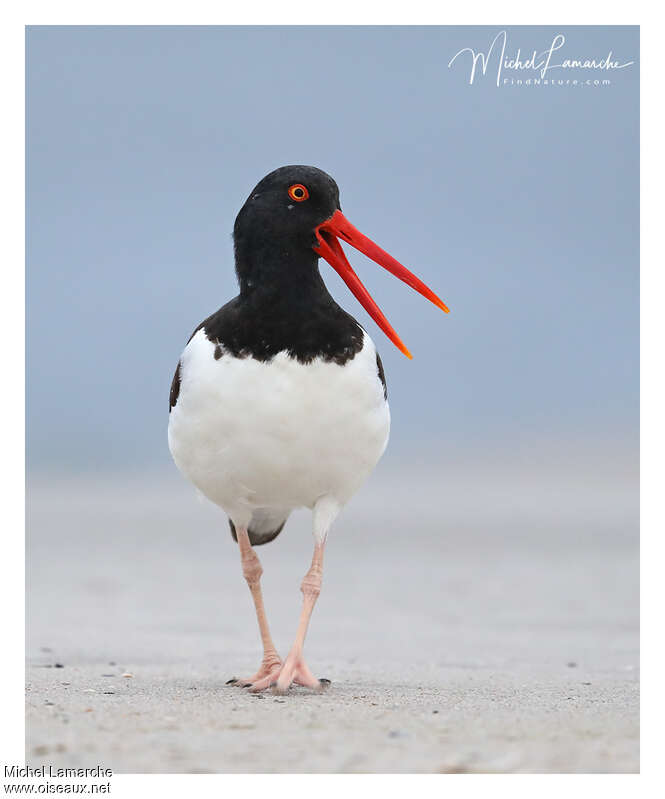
{"x": 279, "y": 399}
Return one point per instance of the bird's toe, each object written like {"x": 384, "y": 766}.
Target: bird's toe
{"x": 268, "y": 672}
{"x": 263, "y": 684}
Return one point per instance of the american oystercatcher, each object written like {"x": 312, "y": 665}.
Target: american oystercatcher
{"x": 279, "y": 399}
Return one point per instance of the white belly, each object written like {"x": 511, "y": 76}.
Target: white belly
{"x": 280, "y": 434}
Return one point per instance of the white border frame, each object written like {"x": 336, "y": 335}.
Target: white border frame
{"x": 653, "y": 394}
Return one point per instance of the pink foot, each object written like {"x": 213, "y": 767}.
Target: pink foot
{"x": 296, "y": 671}
{"x": 268, "y": 672}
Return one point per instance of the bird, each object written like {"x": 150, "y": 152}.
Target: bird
{"x": 279, "y": 399}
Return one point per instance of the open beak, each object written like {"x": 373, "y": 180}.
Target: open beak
{"x": 328, "y": 247}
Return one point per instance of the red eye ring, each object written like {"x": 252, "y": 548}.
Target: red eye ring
{"x": 298, "y": 192}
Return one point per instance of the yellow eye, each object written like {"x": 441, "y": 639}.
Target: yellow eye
{"x": 298, "y": 192}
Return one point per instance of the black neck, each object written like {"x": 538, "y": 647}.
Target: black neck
{"x": 283, "y": 305}
{"x": 285, "y": 277}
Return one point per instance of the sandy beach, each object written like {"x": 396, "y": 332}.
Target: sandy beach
{"x": 502, "y": 637}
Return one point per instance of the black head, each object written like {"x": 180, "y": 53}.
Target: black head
{"x": 278, "y": 220}
{"x": 293, "y": 217}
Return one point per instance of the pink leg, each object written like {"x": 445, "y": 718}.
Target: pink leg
{"x": 252, "y": 571}
{"x": 295, "y": 670}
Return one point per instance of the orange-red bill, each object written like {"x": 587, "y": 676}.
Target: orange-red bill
{"x": 329, "y": 248}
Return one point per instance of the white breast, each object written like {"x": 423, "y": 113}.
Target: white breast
{"x": 280, "y": 434}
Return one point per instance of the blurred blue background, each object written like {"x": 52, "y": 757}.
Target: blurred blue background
{"x": 518, "y": 205}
